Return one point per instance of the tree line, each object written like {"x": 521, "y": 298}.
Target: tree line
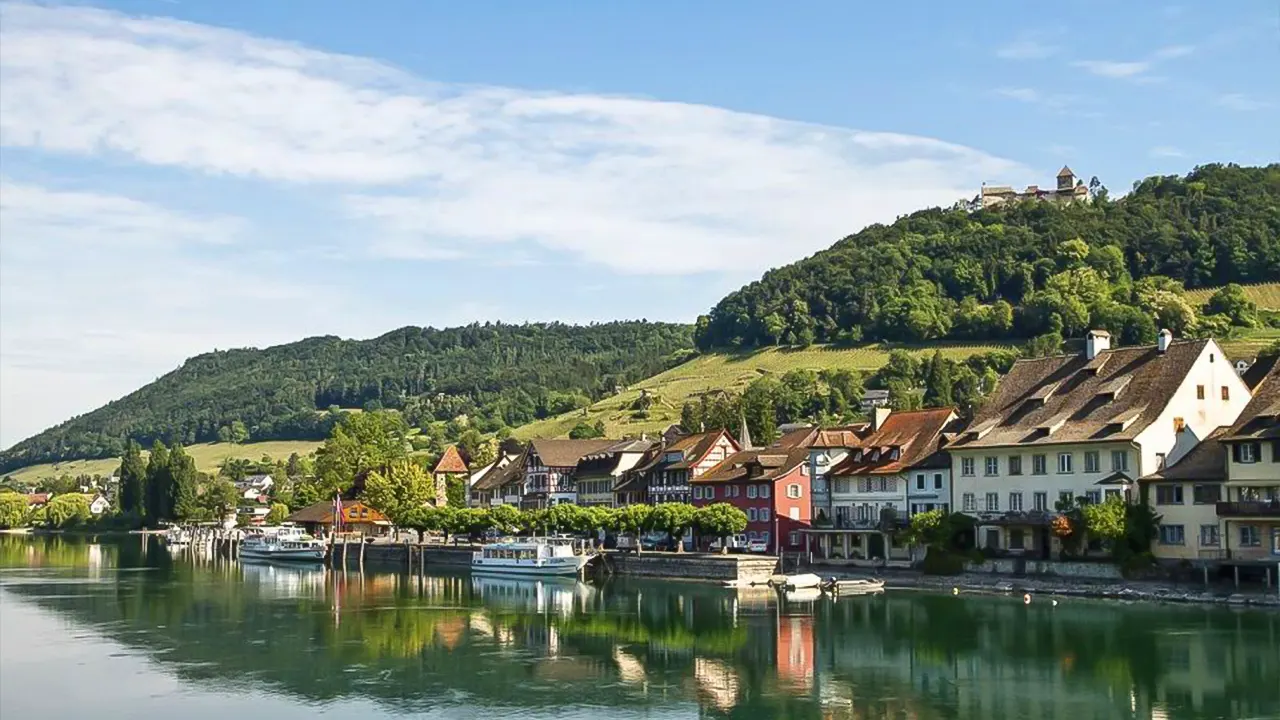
{"x": 1027, "y": 270}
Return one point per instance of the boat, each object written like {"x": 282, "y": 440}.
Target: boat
{"x": 796, "y": 582}
{"x": 533, "y": 556}
{"x": 177, "y": 538}
{"x": 802, "y": 595}
{"x": 286, "y": 543}
{"x": 855, "y": 586}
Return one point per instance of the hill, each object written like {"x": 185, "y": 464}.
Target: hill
{"x": 497, "y": 375}
{"x": 1265, "y": 295}
{"x": 1024, "y": 269}
{"x": 208, "y": 456}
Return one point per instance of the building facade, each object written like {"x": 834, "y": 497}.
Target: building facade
{"x": 549, "y": 471}
{"x": 668, "y": 478}
{"x": 771, "y": 486}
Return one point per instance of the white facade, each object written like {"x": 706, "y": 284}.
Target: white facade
{"x": 929, "y": 489}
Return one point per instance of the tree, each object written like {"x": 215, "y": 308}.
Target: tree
{"x": 1232, "y": 301}
{"x": 133, "y": 478}
{"x": 183, "y": 485}
{"x": 720, "y": 520}
{"x": 937, "y": 383}
{"x": 585, "y": 430}
{"x": 1105, "y": 521}
{"x": 218, "y": 498}
{"x": 239, "y": 433}
{"x": 277, "y": 514}
{"x": 506, "y": 519}
{"x": 674, "y": 519}
{"x": 361, "y": 442}
{"x": 159, "y": 485}
{"x": 634, "y": 519}
{"x": 404, "y": 488}
{"x": 13, "y": 510}
{"x": 67, "y": 510}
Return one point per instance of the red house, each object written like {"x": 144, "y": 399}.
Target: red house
{"x": 770, "y": 485}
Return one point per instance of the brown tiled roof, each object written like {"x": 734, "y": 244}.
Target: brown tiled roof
{"x": 566, "y": 453}
{"x": 799, "y": 438}
{"x": 37, "y": 498}
{"x": 451, "y": 462}
{"x": 766, "y": 464}
{"x": 915, "y": 434}
{"x": 693, "y": 448}
{"x": 504, "y": 470}
{"x": 1261, "y": 417}
{"x": 841, "y": 437}
{"x": 1258, "y": 370}
{"x": 1206, "y": 461}
{"x": 322, "y": 512}
{"x": 1067, "y": 398}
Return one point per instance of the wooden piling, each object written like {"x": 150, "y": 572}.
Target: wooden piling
{"x": 362, "y": 547}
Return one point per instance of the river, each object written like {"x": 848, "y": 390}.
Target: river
{"x": 124, "y": 629}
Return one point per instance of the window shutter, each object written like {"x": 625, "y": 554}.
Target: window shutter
{"x": 1235, "y": 452}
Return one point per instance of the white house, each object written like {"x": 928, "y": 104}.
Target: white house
{"x": 99, "y": 504}
{"x": 1085, "y": 426}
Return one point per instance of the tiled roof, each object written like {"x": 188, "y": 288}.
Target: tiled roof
{"x": 506, "y": 469}
{"x": 37, "y": 498}
{"x": 451, "y": 462}
{"x": 915, "y": 435}
{"x": 841, "y": 437}
{"x": 1261, "y": 417}
{"x": 566, "y": 453}
{"x": 798, "y": 438}
{"x": 322, "y": 512}
{"x": 767, "y": 464}
{"x": 606, "y": 462}
{"x": 693, "y": 449}
{"x": 1206, "y": 461}
{"x": 1258, "y": 370}
{"x": 1068, "y": 398}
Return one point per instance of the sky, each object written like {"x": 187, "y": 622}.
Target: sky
{"x": 178, "y": 176}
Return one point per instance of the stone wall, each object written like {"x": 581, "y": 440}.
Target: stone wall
{"x": 387, "y": 556}
{"x": 1047, "y": 568}
{"x": 695, "y": 566}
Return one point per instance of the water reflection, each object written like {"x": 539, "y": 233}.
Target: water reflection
{"x": 480, "y": 644}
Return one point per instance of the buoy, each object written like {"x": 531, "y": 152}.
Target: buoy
{"x": 1026, "y": 599}
{"x": 955, "y": 591}
{"x": 1055, "y": 603}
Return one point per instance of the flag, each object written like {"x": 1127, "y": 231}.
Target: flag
{"x": 337, "y": 514}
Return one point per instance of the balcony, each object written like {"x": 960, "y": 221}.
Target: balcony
{"x": 1250, "y": 509}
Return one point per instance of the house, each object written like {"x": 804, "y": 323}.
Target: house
{"x": 1185, "y": 494}
{"x": 357, "y": 518}
{"x": 1068, "y": 189}
{"x": 1083, "y": 427}
{"x": 499, "y": 484}
{"x": 874, "y": 398}
{"x": 667, "y": 477}
{"x": 99, "y": 504}
{"x": 599, "y": 473}
{"x": 879, "y": 481}
{"x": 252, "y": 515}
{"x": 450, "y": 465}
{"x": 549, "y": 467}
{"x": 1250, "y": 512}
{"x": 770, "y": 485}
{"x": 261, "y": 483}
{"x": 38, "y": 500}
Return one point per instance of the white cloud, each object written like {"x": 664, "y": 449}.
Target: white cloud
{"x": 1027, "y": 48}
{"x": 1027, "y": 95}
{"x": 1166, "y": 151}
{"x": 1135, "y": 70}
{"x": 1241, "y": 102}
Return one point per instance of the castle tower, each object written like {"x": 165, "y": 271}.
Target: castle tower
{"x": 1066, "y": 179}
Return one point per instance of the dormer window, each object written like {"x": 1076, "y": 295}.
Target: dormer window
{"x": 674, "y": 457}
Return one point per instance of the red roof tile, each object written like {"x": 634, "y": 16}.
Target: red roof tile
{"x": 451, "y": 461}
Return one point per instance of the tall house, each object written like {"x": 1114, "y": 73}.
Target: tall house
{"x": 550, "y": 468}
{"x": 500, "y": 483}
{"x": 1250, "y": 513}
{"x": 667, "y": 478}
{"x": 451, "y": 465}
{"x": 1083, "y": 427}
{"x": 599, "y": 473}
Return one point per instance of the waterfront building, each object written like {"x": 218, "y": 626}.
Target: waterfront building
{"x": 1250, "y": 510}
{"x": 599, "y": 473}
{"x": 1083, "y": 427}
{"x": 357, "y": 518}
{"x": 668, "y": 477}
{"x": 549, "y": 469}
{"x": 501, "y": 481}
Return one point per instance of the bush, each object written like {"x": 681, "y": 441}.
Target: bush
{"x": 942, "y": 562}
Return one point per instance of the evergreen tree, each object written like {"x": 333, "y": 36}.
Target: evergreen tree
{"x": 159, "y": 485}
{"x": 133, "y": 476}
{"x": 937, "y": 382}
{"x": 183, "y": 479}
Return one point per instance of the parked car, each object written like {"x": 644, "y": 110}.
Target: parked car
{"x": 737, "y": 543}
{"x": 758, "y": 546}
{"x": 657, "y": 542}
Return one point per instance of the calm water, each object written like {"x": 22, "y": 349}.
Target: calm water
{"x": 124, "y": 630}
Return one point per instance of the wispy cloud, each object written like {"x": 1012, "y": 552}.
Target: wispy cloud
{"x": 1241, "y": 102}
{"x": 1166, "y": 151}
{"x": 1050, "y": 101}
{"x": 1027, "y": 47}
{"x": 1135, "y": 70}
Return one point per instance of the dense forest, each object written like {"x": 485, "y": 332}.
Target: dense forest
{"x": 1031, "y": 269}
{"x": 495, "y": 375}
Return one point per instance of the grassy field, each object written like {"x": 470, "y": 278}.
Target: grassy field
{"x": 672, "y": 388}
{"x": 1265, "y": 295}
{"x": 208, "y": 457}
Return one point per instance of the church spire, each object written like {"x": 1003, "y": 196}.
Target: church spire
{"x": 744, "y": 435}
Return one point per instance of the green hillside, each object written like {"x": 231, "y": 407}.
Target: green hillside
{"x": 1265, "y": 295}
{"x": 208, "y": 456}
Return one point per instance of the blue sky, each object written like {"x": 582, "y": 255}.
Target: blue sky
{"x": 183, "y": 176}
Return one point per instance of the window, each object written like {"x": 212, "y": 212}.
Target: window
{"x": 1120, "y": 460}
{"x": 751, "y": 491}
{"x": 937, "y": 477}
{"x": 970, "y": 504}
{"x": 1093, "y": 497}
{"x": 1017, "y": 540}
{"x": 1206, "y": 494}
{"x": 1209, "y": 536}
{"x": 794, "y": 514}
{"x": 1064, "y": 463}
{"x": 1172, "y": 535}
{"x": 1275, "y": 451}
{"x": 1065, "y": 497}
{"x": 1169, "y": 494}
{"x": 1249, "y": 536}
{"x": 1015, "y": 464}
{"x": 751, "y": 514}
{"x": 1015, "y": 501}
{"x": 737, "y": 490}
{"x": 794, "y": 491}
{"x": 697, "y": 493}
{"x": 709, "y": 493}
{"x": 842, "y": 485}
{"x": 793, "y": 538}
{"x": 1112, "y": 493}
{"x": 1226, "y": 393}
{"x": 1246, "y": 452}
{"x": 1199, "y": 392}
{"x": 764, "y": 514}
{"x": 990, "y": 466}
{"x": 1040, "y": 501}
{"x": 1039, "y": 466}
{"x": 920, "y": 481}
{"x": 764, "y": 491}
{"x": 993, "y": 502}
{"x": 1091, "y": 464}
{"x": 966, "y": 466}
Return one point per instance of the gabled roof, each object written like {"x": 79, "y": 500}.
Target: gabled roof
{"x": 802, "y": 437}
{"x": 1261, "y": 417}
{"x": 915, "y": 435}
{"x": 692, "y": 448}
{"x": 607, "y": 461}
{"x": 841, "y": 437}
{"x": 1068, "y": 398}
{"x": 1258, "y": 370}
{"x": 322, "y": 512}
{"x": 566, "y": 453}
{"x": 764, "y": 465}
{"x": 451, "y": 462}
{"x": 1206, "y": 461}
{"x": 506, "y": 469}
{"x": 636, "y": 479}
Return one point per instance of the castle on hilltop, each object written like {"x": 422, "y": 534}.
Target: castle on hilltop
{"x": 1070, "y": 189}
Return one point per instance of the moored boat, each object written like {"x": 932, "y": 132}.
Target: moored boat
{"x": 533, "y": 556}
{"x": 796, "y": 582}
{"x": 857, "y": 586}
{"x": 286, "y": 543}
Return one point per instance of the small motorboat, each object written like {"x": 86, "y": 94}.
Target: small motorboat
{"x": 855, "y": 586}
{"x": 796, "y": 582}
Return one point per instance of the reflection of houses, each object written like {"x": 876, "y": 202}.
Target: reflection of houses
{"x": 667, "y": 478}
{"x": 795, "y": 652}
{"x": 600, "y": 472}
{"x": 357, "y": 518}
{"x": 549, "y": 467}
{"x": 1084, "y": 426}
{"x": 717, "y": 682}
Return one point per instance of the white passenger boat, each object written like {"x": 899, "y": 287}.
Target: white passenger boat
{"x": 863, "y": 586}
{"x": 285, "y": 543}
{"x": 534, "y": 556}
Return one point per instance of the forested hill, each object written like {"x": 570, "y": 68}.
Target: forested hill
{"x": 498, "y": 375}
{"x": 1030, "y": 269}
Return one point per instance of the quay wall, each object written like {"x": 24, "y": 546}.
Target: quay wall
{"x": 1046, "y": 568}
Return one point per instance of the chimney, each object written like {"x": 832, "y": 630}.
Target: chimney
{"x": 1163, "y": 340}
{"x": 878, "y": 416}
{"x": 1097, "y": 341}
